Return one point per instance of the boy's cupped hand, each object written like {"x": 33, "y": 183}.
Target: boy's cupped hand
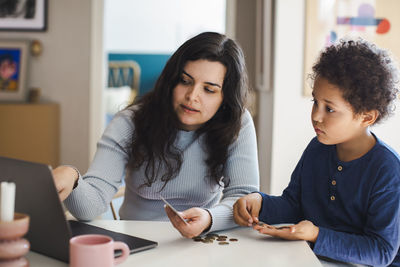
{"x": 304, "y": 230}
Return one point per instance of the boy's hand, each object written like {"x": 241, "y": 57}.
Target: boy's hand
{"x": 246, "y": 209}
{"x": 304, "y": 230}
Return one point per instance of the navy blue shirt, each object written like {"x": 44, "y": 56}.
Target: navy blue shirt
{"x": 355, "y": 204}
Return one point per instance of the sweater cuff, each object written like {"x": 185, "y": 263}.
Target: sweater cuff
{"x": 209, "y": 227}
{"x": 221, "y": 218}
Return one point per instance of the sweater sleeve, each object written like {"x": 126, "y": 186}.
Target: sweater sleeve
{"x": 97, "y": 187}
{"x": 242, "y": 169}
{"x": 379, "y": 242}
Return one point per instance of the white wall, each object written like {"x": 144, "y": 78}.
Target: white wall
{"x": 159, "y": 26}
{"x": 63, "y": 73}
{"x": 292, "y": 128}
{"x": 389, "y": 130}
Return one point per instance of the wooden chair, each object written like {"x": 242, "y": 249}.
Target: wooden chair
{"x": 122, "y": 87}
{"x": 124, "y": 73}
{"x": 120, "y": 193}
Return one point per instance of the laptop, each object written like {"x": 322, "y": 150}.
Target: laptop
{"x": 49, "y": 231}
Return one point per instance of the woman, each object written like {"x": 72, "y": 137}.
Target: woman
{"x": 190, "y": 140}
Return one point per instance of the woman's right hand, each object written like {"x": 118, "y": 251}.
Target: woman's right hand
{"x": 64, "y": 179}
{"x": 247, "y": 209}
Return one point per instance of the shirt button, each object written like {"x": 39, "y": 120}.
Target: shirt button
{"x": 340, "y": 168}
{"x": 332, "y": 198}
{"x": 333, "y": 182}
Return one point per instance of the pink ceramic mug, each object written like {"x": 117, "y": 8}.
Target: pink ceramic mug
{"x": 96, "y": 251}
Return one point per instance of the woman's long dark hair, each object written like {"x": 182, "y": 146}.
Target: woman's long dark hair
{"x": 156, "y": 124}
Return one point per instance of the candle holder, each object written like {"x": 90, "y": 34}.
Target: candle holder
{"x": 12, "y": 246}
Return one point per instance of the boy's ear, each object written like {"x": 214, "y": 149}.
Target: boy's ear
{"x": 369, "y": 117}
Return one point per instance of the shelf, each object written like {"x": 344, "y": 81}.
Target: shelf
{"x": 30, "y": 132}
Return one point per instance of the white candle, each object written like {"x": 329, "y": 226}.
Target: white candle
{"x": 7, "y": 201}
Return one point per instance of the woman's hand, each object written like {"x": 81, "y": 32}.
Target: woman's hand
{"x": 197, "y": 219}
{"x": 247, "y": 209}
{"x": 304, "y": 230}
{"x": 64, "y": 179}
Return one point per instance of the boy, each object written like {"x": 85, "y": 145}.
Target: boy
{"x": 344, "y": 194}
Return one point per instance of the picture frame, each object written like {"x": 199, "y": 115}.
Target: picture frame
{"x": 327, "y": 22}
{"x": 23, "y": 15}
{"x": 13, "y": 66}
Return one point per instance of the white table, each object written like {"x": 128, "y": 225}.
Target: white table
{"x": 252, "y": 249}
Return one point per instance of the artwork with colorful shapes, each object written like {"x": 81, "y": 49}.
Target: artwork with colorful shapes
{"x": 329, "y": 21}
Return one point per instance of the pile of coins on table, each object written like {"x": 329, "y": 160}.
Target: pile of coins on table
{"x": 210, "y": 238}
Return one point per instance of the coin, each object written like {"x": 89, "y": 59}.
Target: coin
{"x": 212, "y": 235}
{"x": 209, "y": 238}
{"x": 282, "y": 227}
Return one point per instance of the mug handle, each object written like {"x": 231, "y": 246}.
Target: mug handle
{"x": 125, "y": 252}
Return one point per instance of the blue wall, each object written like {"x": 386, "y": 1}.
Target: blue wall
{"x": 151, "y": 66}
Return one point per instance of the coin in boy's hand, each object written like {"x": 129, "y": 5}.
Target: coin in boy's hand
{"x": 259, "y": 223}
{"x": 282, "y": 227}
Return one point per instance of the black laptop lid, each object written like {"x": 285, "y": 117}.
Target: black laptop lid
{"x": 49, "y": 231}
{"x": 37, "y": 196}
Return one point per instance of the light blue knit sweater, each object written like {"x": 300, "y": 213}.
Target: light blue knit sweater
{"x": 189, "y": 189}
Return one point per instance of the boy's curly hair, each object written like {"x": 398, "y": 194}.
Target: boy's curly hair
{"x": 366, "y": 74}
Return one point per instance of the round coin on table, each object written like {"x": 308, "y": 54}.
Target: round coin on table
{"x": 213, "y": 235}
{"x": 209, "y": 238}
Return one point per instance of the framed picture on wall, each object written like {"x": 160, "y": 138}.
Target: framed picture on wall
{"x": 23, "y": 15}
{"x": 329, "y": 21}
{"x": 13, "y": 64}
